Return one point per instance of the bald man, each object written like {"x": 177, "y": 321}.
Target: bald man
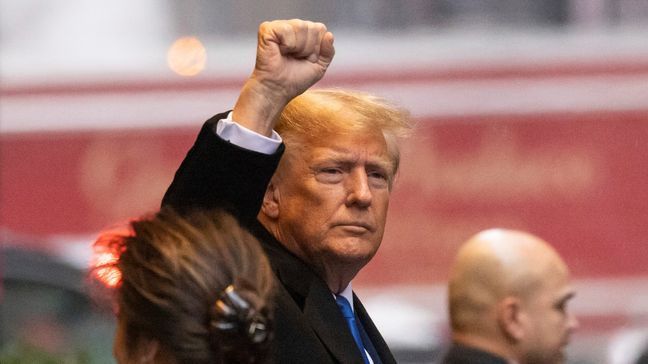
{"x": 508, "y": 296}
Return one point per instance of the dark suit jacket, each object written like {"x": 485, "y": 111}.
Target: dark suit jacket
{"x": 461, "y": 354}
{"x": 309, "y": 327}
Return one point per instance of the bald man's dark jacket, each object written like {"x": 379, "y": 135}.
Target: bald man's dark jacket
{"x": 309, "y": 327}
{"x": 461, "y": 354}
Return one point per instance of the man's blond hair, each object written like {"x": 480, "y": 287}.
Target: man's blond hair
{"x": 321, "y": 113}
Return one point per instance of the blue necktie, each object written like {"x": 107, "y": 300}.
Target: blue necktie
{"x": 347, "y": 312}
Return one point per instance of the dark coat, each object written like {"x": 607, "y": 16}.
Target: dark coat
{"x": 309, "y": 327}
{"x": 461, "y": 354}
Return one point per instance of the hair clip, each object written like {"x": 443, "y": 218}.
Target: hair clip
{"x": 235, "y": 314}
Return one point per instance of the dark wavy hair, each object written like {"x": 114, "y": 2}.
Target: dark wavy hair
{"x": 199, "y": 284}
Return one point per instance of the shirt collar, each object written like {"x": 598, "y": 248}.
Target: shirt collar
{"x": 348, "y": 294}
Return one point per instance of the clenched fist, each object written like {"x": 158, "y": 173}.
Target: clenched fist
{"x": 292, "y": 55}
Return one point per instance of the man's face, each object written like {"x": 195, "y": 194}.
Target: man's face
{"x": 549, "y": 322}
{"x": 333, "y": 200}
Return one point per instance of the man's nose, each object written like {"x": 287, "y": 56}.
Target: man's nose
{"x": 358, "y": 190}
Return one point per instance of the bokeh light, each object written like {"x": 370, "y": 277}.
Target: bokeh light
{"x": 106, "y": 272}
{"x": 107, "y": 249}
{"x": 187, "y": 56}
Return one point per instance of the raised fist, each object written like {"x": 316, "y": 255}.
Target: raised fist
{"x": 292, "y": 55}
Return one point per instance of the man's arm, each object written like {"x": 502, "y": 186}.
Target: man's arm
{"x": 291, "y": 56}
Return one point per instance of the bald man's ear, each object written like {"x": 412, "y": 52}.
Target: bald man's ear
{"x": 510, "y": 318}
{"x": 270, "y": 206}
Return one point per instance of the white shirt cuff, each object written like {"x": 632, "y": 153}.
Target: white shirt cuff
{"x": 228, "y": 129}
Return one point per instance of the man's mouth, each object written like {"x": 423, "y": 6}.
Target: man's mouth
{"x": 358, "y": 227}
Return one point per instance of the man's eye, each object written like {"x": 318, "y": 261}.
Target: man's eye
{"x": 330, "y": 175}
{"x": 378, "y": 175}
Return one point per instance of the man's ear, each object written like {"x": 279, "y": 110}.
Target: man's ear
{"x": 148, "y": 351}
{"x": 510, "y": 318}
{"x": 270, "y": 206}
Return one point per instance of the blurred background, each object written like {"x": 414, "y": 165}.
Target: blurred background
{"x": 530, "y": 115}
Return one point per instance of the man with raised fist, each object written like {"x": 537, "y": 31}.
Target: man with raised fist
{"x": 309, "y": 173}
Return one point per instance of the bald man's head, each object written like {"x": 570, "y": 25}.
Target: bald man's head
{"x": 506, "y": 272}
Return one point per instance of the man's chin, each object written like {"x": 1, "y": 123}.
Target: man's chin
{"x": 355, "y": 257}
{"x": 353, "y": 248}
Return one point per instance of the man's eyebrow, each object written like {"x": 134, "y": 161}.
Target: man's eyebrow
{"x": 342, "y": 157}
{"x": 386, "y": 167}
{"x": 337, "y": 159}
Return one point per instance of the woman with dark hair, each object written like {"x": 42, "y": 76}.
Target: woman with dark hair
{"x": 192, "y": 289}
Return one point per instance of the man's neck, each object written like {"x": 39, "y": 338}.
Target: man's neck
{"x": 337, "y": 278}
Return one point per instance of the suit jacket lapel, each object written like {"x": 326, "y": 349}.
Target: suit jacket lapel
{"x": 318, "y": 305}
{"x": 377, "y": 340}
{"x": 320, "y": 311}
{"x": 326, "y": 319}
